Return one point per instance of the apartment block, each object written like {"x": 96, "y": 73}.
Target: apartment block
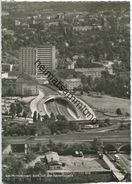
{"x": 27, "y": 57}
{"x": 47, "y": 55}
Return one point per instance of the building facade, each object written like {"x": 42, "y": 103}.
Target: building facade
{"x": 27, "y": 57}
{"x": 26, "y": 86}
{"x": 93, "y": 72}
{"x": 72, "y": 83}
{"x": 7, "y": 67}
{"x": 47, "y": 55}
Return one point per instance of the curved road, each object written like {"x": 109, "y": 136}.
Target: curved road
{"x": 38, "y": 105}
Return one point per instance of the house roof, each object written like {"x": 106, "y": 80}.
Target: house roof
{"x": 27, "y": 79}
{"x": 52, "y": 157}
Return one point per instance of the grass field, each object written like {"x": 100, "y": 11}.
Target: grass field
{"x": 108, "y": 103}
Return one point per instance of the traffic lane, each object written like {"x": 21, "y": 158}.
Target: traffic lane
{"x": 47, "y": 91}
{"x": 121, "y": 134}
{"x": 70, "y": 138}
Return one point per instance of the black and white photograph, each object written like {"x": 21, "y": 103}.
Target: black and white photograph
{"x": 65, "y": 92}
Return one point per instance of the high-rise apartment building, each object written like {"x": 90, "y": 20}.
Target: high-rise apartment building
{"x": 27, "y": 57}
{"x": 47, "y": 56}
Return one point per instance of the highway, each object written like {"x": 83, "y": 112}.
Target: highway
{"x": 38, "y": 105}
{"x": 78, "y": 137}
{"x": 63, "y": 109}
{"x": 51, "y": 106}
{"x": 34, "y": 102}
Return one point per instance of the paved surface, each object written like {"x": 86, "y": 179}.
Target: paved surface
{"x": 125, "y": 163}
{"x": 38, "y": 102}
{"x": 115, "y": 171}
{"x": 78, "y": 137}
{"x": 33, "y": 105}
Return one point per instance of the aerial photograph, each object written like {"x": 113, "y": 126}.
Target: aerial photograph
{"x": 65, "y": 92}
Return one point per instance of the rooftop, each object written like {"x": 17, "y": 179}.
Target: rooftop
{"x": 28, "y": 79}
{"x": 90, "y": 69}
{"x": 52, "y": 157}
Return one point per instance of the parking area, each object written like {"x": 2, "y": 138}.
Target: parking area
{"x": 82, "y": 164}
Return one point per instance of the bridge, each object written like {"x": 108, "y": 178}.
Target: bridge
{"x": 118, "y": 147}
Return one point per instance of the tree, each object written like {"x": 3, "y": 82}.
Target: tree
{"x": 12, "y": 110}
{"x": 11, "y": 91}
{"x": 30, "y": 170}
{"x": 39, "y": 117}
{"x": 29, "y": 156}
{"x": 40, "y": 168}
{"x": 18, "y": 108}
{"x": 109, "y": 147}
{"x": 45, "y": 131}
{"x": 97, "y": 144}
{"x": 107, "y": 121}
{"x": 73, "y": 126}
{"x": 45, "y": 118}
{"x": 25, "y": 113}
{"x": 51, "y": 145}
{"x": 61, "y": 117}
{"x": 35, "y": 116}
{"x": 52, "y": 116}
{"x": 15, "y": 166}
{"x": 127, "y": 114}
{"x": 118, "y": 111}
{"x": 44, "y": 149}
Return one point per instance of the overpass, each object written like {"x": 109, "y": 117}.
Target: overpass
{"x": 119, "y": 147}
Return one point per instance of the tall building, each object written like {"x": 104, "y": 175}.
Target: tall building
{"x": 47, "y": 56}
{"x": 27, "y": 57}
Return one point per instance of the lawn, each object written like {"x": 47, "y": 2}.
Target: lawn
{"x": 107, "y": 103}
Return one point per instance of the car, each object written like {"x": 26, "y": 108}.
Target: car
{"x": 116, "y": 157}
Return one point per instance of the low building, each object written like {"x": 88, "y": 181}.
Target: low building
{"x": 53, "y": 161}
{"x": 71, "y": 63}
{"x": 82, "y": 28}
{"x": 7, "y": 67}
{"x": 108, "y": 66}
{"x": 52, "y": 157}
{"x": 9, "y": 82}
{"x": 26, "y": 85}
{"x": 4, "y": 75}
{"x": 93, "y": 72}
{"x": 72, "y": 83}
{"x": 42, "y": 80}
